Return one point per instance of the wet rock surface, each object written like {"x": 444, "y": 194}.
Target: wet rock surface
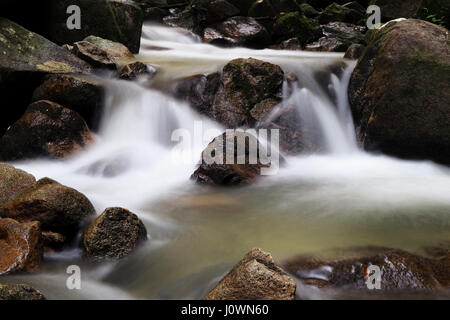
{"x": 400, "y": 270}
{"x": 20, "y": 246}
{"x": 237, "y": 31}
{"x": 47, "y": 130}
{"x": 225, "y": 162}
{"x": 115, "y": 234}
{"x": 255, "y": 277}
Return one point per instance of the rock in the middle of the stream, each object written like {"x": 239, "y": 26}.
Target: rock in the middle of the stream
{"x": 255, "y": 277}
{"x": 113, "y": 235}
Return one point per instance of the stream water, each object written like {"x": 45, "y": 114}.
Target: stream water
{"x": 341, "y": 198}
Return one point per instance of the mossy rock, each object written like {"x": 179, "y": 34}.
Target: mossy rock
{"x": 19, "y": 292}
{"x": 296, "y": 25}
{"x": 400, "y": 91}
{"x": 25, "y": 57}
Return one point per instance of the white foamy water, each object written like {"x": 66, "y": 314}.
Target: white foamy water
{"x": 342, "y": 198}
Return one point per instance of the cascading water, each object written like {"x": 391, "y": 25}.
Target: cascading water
{"x": 338, "y": 199}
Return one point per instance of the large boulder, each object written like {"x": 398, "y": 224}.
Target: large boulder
{"x": 25, "y": 58}
{"x": 255, "y": 277}
{"x": 18, "y": 292}
{"x": 45, "y": 130}
{"x": 400, "y": 270}
{"x": 296, "y": 25}
{"x": 113, "y": 235}
{"x": 115, "y": 20}
{"x": 237, "y": 31}
{"x": 244, "y": 84}
{"x": 400, "y": 91}
{"x": 221, "y": 165}
{"x": 58, "y": 208}
{"x": 20, "y": 246}
{"x": 13, "y": 181}
{"x": 82, "y": 94}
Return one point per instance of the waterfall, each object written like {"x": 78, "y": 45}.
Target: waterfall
{"x": 196, "y": 233}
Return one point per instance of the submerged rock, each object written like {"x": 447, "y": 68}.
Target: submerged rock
{"x": 400, "y": 91}
{"x": 45, "y": 130}
{"x": 237, "y": 31}
{"x": 82, "y": 94}
{"x": 58, "y": 208}
{"x": 255, "y": 277}
{"x": 115, "y": 234}
{"x": 19, "y": 292}
{"x": 232, "y": 159}
{"x": 20, "y": 246}
{"x": 13, "y": 181}
{"x": 244, "y": 84}
{"x": 25, "y": 58}
{"x": 400, "y": 270}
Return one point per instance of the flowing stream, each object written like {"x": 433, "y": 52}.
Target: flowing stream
{"x": 341, "y": 198}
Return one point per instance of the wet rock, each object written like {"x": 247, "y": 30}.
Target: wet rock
{"x": 237, "y": 31}
{"x": 255, "y": 277}
{"x": 327, "y": 45}
{"x": 25, "y": 58}
{"x": 344, "y": 32}
{"x": 82, "y": 94}
{"x": 20, "y": 246}
{"x": 245, "y": 83}
{"x": 58, "y": 208}
{"x": 295, "y": 25}
{"x": 134, "y": 70}
{"x": 45, "y": 130}
{"x": 400, "y": 270}
{"x": 19, "y": 292}
{"x": 113, "y": 235}
{"x": 102, "y": 53}
{"x": 199, "y": 91}
{"x": 344, "y": 13}
{"x": 231, "y": 159}
{"x": 400, "y": 94}
{"x": 354, "y": 51}
{"x": 13, "y": 181}
{"x": 119, "y": 21}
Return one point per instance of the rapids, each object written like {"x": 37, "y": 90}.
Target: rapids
{"x": 337, "y": 199}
